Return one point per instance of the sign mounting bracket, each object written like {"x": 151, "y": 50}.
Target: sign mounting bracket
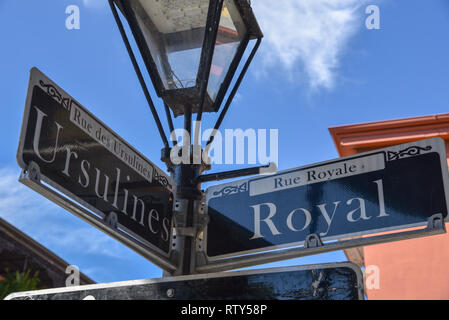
{"x": 313, "y": 241}
{"x": 32, "y": 172}
{"x": 436, "y": 222}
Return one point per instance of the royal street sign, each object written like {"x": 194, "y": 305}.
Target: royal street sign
{"x": 332, "y": 281}
{"x": 97, "y": 175}
{"x": 389, "y": 189}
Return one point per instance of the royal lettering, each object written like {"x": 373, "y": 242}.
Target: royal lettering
{"x": 267, "y": 220}
{"x": 270, "y": 220}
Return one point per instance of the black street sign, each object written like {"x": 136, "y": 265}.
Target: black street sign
{"x": 394, "y": 188}
{"x": 333, "y": 281}
{"x": 72, "y": 151}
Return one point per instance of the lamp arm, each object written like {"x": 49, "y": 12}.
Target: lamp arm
{"x": 266, "y": 169}
{"x": 170, "y": 124}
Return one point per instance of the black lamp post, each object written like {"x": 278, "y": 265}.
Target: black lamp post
{"x": 191, "y": 50}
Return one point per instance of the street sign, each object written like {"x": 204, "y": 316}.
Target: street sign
{"x": 394, "y": 188}
{"x": 112, "y": 185}
{"x": 333, "y": 281}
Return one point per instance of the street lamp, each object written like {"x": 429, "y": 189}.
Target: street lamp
{"x": 191, "y": 48}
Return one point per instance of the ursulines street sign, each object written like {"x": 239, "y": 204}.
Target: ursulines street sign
{"x": 388, "y": 189}
{"x": 75, "y": 153}
{"x": 332, "y": 281}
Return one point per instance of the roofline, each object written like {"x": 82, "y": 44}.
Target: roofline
{"x": 355, "y": 138}
{"x": 38, "y": 249}
{"x": 349, "y": 139}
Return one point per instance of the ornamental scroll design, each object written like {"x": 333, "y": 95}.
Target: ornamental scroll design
{"x": 55, "y": 94}
{"x": 228, "y": 190}
{"x": 161, "y": 179}
{"x": 409, "y": 152}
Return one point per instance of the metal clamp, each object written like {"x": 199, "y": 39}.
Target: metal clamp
{"x": 180, "y": 207}
{"x": 32, "y": 172}
{"x": 180, "y": 212}
{"x": 436, "y": 222}
{"x": 174, "y": 256}
{"x": 111, "y": 220}
{"x": 180, "y": 217}
{"x": 202, "y": 218}
{"x": 201, "y": 259}
{"x": 313, "y": 241}
{"x": 186, "y": 231}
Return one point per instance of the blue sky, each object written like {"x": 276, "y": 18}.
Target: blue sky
{"x": 318, "y": 66}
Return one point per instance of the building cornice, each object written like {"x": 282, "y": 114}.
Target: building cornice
{"x": 356, "y": 138}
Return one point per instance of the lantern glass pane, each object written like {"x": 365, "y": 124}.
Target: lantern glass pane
{"x": 174, "y": 31}
{"x": 231, "y": 33}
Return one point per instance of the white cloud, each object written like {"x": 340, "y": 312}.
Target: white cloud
{"x": 307, "y": 35}
{"x": 17, "y": 201}
{"x": 95, "y": 4}
{"x": 305, "y": 38}
{"x": 47, "y": 223}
